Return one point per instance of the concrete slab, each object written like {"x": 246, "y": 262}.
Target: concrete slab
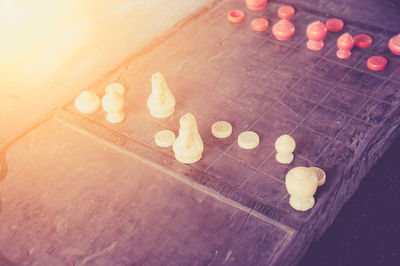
{"x": 69, "y": 199}
{"x": 230, "y": 207}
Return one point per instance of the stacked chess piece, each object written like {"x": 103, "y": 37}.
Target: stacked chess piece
{"x": 113, "y": 103}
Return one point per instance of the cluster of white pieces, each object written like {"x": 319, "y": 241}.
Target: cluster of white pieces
{"x": 188, "y": 146}
{"x": 301, "y": 182}
{"x": 88, "y": 102}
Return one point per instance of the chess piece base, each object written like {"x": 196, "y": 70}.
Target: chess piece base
{"x": 302, "y": 204}
{"x": 284, "y": 158}
{"x": 115, "y": 117}
{"x": 188, "y": 160}
{"x": 163, "y": 113}
{"x": 343, "y": 54}
{"x": 315, "y": 45}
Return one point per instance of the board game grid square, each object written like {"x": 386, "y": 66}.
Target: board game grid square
{"x": 305, "y": 139}
{"x": 389, "y": 92}
{"x": 345, "y": 101}
{"x": 311, "y": 89}
{"x": 292, "y": 107}
{"x": 230, "y": 170}
{"x": 361, "y": 82}
{"x": 326, "y": 121}
{"x": 375, "y": 112}
{"x": 329, "y": 72}
{"x": 272, "y": 167}
{"x": 266, "y": 189}
{"x": 354, "y": 133}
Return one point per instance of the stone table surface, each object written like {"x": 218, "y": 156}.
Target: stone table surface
{"x": 77, "y": 190}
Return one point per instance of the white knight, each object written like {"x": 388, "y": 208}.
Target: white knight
{"x": 161, "y": 102}
{"x": 188, "y": 146}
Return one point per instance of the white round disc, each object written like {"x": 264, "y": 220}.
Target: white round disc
{"x": 164, "y": 138}
{"x": 221, "y": 129}
{"x": 248, "y": 140}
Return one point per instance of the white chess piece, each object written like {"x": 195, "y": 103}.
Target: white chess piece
{"x": 87, "y": 102}
{"x": 161, "y": 102}
{"x": 188, "y": 146}
{"x": 301, "y": 184}
{"x": 285, "y": 146}
{"x": 113, "y": 103}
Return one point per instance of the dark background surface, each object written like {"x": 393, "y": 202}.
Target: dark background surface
{"x": 367, "y": 229}
{"x": 380, "y": 13}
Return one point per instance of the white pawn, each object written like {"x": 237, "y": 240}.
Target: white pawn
{"x": 301, "y": 184}
{"x": 161, "y": 102}
{"x": 87, "y": 102}
{"x": 285, "y": 146}
{"x": 188, "y": 146}
{"x": 113, "y": 103}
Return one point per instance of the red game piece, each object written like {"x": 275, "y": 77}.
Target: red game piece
{"x": 256, "y": 4}
{"x": 236, "y": 16}
{"x": 345, "y": 42}
{"x": 394, "y": 44}
{"x": 286, "y": 11}
{"x": 362, "y": 40}
{"x": 316, "y": 32}
{"x": 283, "y": 29}
{"x": 334, "y": 25}
{"x": 376, "y": 63}
{"x": 259, "y": 24}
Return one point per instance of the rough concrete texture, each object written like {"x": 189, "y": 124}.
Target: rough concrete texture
{"x": 106, "y": 194}
{"x": 69, "y": 199}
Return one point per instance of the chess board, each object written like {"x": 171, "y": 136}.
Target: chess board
{"x": 341, "y": 114}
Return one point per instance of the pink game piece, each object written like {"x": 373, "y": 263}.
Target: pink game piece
{"x": 236, "y": 16}
{"x": 259, "y": 24}
{"x": 334, "y": 24}
{"x": 394, "y": 44}
{"x": 283, "y": 29}
{"x": 286, "y": 11}
{"x": 376, "y": 63}
{"x": 362, "y": 40}
{"x": 316, "y": 32}
{"x": 345, "y": 42}
{"x": 256, "y": 4}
